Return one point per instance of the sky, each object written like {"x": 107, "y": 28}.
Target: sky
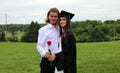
{"x": 25, "y": 11}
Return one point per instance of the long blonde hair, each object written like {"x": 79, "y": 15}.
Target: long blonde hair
{"x": 51, "y": 10}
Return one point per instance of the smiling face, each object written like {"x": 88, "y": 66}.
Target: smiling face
{"x": 63, "y": 22}
{"x": 53, "y": 17}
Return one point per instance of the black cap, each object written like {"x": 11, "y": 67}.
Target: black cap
{"x": 66, "y": 14}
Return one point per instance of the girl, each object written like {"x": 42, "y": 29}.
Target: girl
{"x": 68, "y": 42}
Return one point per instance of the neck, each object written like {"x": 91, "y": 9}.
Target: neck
{"x": 53, "y": 25}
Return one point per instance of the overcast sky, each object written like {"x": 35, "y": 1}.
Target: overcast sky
{"x": 24, "y": 11}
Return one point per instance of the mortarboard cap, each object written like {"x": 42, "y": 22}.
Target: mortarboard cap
{"x": 66, "y": 14}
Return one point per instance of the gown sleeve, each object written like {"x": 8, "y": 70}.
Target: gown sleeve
{"x": 60, "y": 57}
{"x": 70, "y": 55}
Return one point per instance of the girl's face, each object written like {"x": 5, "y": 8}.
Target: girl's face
{"x": 63, "y": 21}
{"x": 53, "y": 17}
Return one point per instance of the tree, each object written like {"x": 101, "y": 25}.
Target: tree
{"x": 109, "y": 22}
{"x": 117, "y": 29}
{"x": 118, "y": 21}
{"x": 96, "y": 35}
{"x": 12, "y": 28}
{"x": 2, "y": 36}
{"x": 32, "y": 33}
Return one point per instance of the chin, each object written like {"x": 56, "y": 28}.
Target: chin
{"x": 53, "y": 23}
{"x": 62, "y": 26}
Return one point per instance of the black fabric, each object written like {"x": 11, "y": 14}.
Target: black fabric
{"x": 69, "y": 49}
{"x": 46, "y": 67}
{"x": 66, "y": 14}
{"x": 60, "y": 61}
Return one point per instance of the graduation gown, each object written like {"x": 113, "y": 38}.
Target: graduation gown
{"x": 69, "y": 50}
{"x": 66, "y": 60}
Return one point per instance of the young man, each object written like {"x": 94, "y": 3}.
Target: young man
{"x": 49, "y": 33}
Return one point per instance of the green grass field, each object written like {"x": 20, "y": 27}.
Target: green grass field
{"x": 103, "y": 57}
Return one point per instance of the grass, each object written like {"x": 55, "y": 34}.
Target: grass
{"x": 98, "y": 57}
{"x": 103, "y": 57}
{"x": 19, "y": 58}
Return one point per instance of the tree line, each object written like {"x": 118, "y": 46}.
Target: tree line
{"x": 96, "y": 31}
{"x": 85, "y": 31}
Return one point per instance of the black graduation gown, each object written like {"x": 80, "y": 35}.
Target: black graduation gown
{"x": 60, "y": 61}
{"x": 69, "y": 50}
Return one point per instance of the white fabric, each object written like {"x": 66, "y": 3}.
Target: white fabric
{"x": 51, "y": 33}
{"x": 56, "y": 71}
{"x": 60, "y": 45}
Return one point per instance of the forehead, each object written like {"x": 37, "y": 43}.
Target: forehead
{"x": 53, "y": 13}
{"x": 63, "y": 18}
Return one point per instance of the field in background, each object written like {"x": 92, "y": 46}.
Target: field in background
{"x": 18, "y": 35}
{"x": 102, "y": 57}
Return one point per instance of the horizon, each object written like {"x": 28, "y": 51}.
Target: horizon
{"x": 71, "y": 21}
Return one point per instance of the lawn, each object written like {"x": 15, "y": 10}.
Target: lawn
{"x": 19, "y": 58}
{"x": 102, "y": 57}
{"x": 98, "y": 57}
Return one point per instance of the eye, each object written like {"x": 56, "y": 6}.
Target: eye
{"x": 64, "y": 19}
{"x": 60, "y": 19}
{"x": 51, "y": 16}
{"x": 55, "y": 16}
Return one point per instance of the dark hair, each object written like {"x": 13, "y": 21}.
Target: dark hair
{"x": 51, "y": 10}
{"x": 67, "y": 28}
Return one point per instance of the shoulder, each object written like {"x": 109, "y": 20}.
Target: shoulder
{"x": 44, "y": 28}
{"x": 69, "y": 33}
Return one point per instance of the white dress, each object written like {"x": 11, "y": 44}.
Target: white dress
{"x": 56, "y": 71}
{"x": 60, "y": 49}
